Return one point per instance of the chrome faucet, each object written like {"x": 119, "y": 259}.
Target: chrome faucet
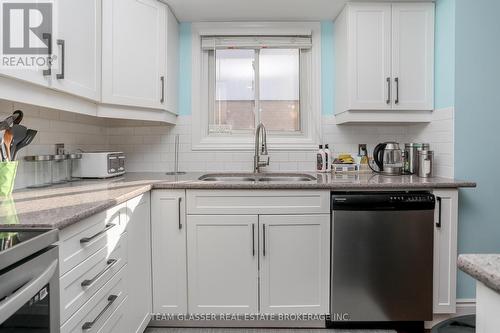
{"x": 260, "y": 159}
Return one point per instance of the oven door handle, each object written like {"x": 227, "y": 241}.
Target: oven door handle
{"x": 14, "y": 302}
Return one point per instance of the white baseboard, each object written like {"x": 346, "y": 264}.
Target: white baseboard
{"x": 465, "y": 306}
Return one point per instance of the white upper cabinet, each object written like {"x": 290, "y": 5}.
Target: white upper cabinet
{"x": 134, "y": 46}
{"x": 170, "y": 101}
{"x": 370, "y": 29}
{"x": 413, "y": 56}
{"x": 112, "y": 58}
{"x": 77, "y": 46}
{"x": 384, "y": 62}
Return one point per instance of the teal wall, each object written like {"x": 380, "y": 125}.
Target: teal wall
{"x": 477, "y": 118}
{"x": 445, "y": 54}
{"x": 185, "y": 68}
{"x": 327, "y": 67}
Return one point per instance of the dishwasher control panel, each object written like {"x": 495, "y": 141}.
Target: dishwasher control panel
{"x": 409, "y": 197}
{"x": 383, "y": 200}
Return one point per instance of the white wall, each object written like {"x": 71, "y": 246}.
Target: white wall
{"x": 440, "y": 134}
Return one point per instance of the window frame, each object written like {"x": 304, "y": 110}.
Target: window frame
{"x": 310, "y": 86}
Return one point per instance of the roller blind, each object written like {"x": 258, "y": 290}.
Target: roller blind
{"x": 255, "y": 42}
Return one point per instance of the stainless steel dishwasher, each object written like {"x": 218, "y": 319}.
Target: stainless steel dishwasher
{"x": 382, "y": 256}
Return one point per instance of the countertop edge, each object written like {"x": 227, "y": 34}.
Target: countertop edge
{"x": 108, "y": 204}
{"x": 469, "y": 264}
{"x": 298, "y": 186}
{"x": 196, "y": 185}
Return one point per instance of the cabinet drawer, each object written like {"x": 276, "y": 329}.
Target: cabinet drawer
{"x": 258, "y": 202}
{"x": 92, "y": 316}
{"x": 81, "y": 240}
{"x": 116, "y": 322}
{"x": 80, "y": 283}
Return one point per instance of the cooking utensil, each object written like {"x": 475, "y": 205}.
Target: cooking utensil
{"x": 2, "y": 146}
{"x": 7, "y": 138}
{"x": 19, "y": 116}
{"x": 389, "y": 158}
{"x": 19, "y": 132}
{"x": 7, "y": 123}
{"x": 30, "y": 135}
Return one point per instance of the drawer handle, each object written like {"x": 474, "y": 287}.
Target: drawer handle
{"x": 89, "y": 239}
{"x": 110, "y": 263}
{"x": 89, "y": 324}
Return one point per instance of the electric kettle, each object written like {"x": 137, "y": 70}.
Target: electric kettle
{"x": 389, "y": 158}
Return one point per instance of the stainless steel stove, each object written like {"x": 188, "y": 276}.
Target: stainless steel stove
{"x": 29, "y": 281}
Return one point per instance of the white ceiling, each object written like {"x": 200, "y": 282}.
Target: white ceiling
{"x": 257, "y": 10}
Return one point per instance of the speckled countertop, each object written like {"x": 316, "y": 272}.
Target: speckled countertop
{"x": 63, "y": 205}
{"x": 483, "y": 267}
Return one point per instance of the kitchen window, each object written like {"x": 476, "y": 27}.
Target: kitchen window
{"x": 245, "y": 80}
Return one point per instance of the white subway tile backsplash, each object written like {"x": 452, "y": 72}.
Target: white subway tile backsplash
{"x": 150, "y": 147}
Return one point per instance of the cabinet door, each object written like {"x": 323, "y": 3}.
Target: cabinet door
{"x": 369, "y": 40}
{"x": 138, "y": 308}
{"x": 413, "y": 56}
{"x": 172, "y": 63}
{"x": 294, "y": 263}
{"x": 133, "y": 60}
{"x": 445, "y": 251}
{"x": 81, "y": 53}
{"x": 169, "y": 251}
{"x": 222, "y": 263}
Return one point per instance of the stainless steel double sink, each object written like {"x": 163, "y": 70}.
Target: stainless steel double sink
{"x": 257, "y": 177}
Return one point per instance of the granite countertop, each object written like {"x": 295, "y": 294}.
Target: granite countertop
{"x": 62, "y": 205}
{"x": 483, "y": 267}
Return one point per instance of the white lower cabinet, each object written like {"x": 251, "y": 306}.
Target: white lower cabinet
{"x": 105, "y": 267}
{"x": 222, "y": 263}
{"x": 294, "y": 263}
{"x": 92, "y": 316}
{"x": 168, "y": 230}
{"x": 253, "y": 252}
{"x": 445, "y": 251}
{"x": 138, "y": 226}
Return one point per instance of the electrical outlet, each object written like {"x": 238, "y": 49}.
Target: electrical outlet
{"x": 59, "y": 148}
